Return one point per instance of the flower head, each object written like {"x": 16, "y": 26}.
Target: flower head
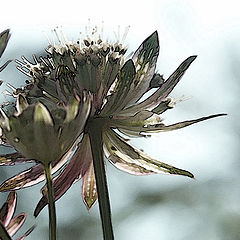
{"x": 117, "y": 85}
{"x": 45, "y": 134}
{"x": 11, "y": 224}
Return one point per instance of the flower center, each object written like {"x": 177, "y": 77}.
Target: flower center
{"x": 90, "y": 64}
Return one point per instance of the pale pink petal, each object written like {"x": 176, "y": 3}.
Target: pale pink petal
{"x": 131, "y": 168}
{"x": 24, "y": 179}
{"x": 33, "y": 175}
{"x": 132, "y": 160}
{"x": 89, "y": 188}
{"x": 8, "y": 208}
{"x": 10, "y": 159}
{"x": 15, "y": 224}
{"x": 27, "y": 233}
{"x": 122, "y": 161}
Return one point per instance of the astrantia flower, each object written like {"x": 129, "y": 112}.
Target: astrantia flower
{"x": 11, "y": 224}
{"x": 45, "y": 133}
{"x": 117, "y": 85}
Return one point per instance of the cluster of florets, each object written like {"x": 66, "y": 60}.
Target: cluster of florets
{"x": 70, "y": 67}
{"x": 74, "y": 54}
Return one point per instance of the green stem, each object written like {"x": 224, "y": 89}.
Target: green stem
{"x": 3, "y": 233}
{"x": 51, "y": 203}
{"x": 95, "y": 133}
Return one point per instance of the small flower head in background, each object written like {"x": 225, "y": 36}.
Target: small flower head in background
{"x": 12, "y": 224}
{"x": 117, "y": 85}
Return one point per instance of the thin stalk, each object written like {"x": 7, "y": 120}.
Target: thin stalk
{"x": 95, "y": 133}
{"x": 3, "y": 233}
{"x": 51, "y": 203}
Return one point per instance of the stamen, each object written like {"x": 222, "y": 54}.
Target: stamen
{"x": 11, "y": 87}
{"x": 52, "y": 63}
{"x": 6, "y": 92}
{"x": 19, "y": 62}
{"x": 23, "y": 71}
{"x": 53, "y": 39}
{"x": 178, "y": 100}
{"x": 58, "y": 36}
{"x": 44, "y": 61}
{"x": 102, "y": 30}
{"x": 64, "y": 36}
{"x": 116, "y": 35}
{"x": 48, "y": 39}
{"x": 182, "y": 99}
{"x": 28, "y": 64}
{"x": 35, "y": 59}
{"x": 125, "y": 34}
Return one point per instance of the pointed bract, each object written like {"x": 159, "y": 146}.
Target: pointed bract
{"x": 42, "y": 115}
{"x": 11, "y": 159}
{"x": 21, "y": 104}
{"x": 15, "y": 224}
{"x": 135, "y": 161}
{"x": 33, "y": 175}
{"x": 163, "y": 91}
{"x": 4, "y": 37}
{"x": 8, "y": 208}
{"x": 89, "y": 188}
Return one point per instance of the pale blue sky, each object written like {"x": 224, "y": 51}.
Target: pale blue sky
{"x": 209, "y": 29}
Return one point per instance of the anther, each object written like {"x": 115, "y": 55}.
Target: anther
{"x": 86, "y": 42}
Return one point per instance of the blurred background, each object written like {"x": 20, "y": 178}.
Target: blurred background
{"x": 151, "y": 207}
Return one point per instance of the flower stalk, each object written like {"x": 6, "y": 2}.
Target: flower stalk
{"x": 51, "y": 203}
{"x": 95, "y": 134}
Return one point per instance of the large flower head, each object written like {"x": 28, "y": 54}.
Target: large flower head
{"x": 117, "y": 84}
{"x": 12, "y": 224}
